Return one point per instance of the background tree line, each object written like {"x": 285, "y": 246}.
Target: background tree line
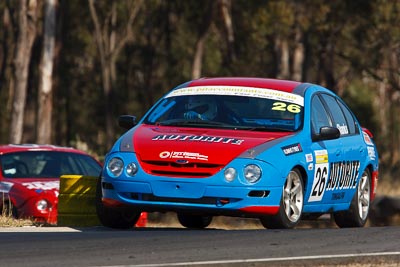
{"x": 68, "y": 69}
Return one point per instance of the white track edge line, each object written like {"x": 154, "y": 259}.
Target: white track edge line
{"x": 270, "y": 259}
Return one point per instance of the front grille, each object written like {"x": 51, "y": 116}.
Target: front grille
{"x": 153, "y": 198}
{"x": 173, "y": 169}
{"x": 179, "y": 174}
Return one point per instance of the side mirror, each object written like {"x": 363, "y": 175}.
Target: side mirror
{"x": 326, "y": 133}
{"x": 127, "y": 121}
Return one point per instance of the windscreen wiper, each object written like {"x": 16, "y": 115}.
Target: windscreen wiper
{"x": 185, "y": 122}
{"x": 264, "y": 129}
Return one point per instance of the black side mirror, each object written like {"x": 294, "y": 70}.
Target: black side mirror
{"x": 326, "y": 133}
{"x": 127, "y": 121}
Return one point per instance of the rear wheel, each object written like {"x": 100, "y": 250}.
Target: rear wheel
{"x": 119, "y": 218}
{"x": 194, "y": 221}
{"x": 357, "y": 214}
{"x": 291, "y": 204}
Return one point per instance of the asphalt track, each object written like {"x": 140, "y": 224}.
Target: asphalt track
{"x": 169, "y": 246}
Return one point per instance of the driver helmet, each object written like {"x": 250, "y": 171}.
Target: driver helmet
{"x": 203, "y": 105}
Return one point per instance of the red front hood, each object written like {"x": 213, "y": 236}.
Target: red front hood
{"x": 168, "y": 150}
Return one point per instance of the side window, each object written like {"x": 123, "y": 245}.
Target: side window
{"x": 337, "y": 114}
{"x": 319, "y": 116}
{"x": 353, "y": 129}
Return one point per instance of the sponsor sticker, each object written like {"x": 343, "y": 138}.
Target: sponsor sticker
{"x": 309, "y": 157}
{"x": 5, "y": 187}
{"x": 321, "y": 172}
{"x": 321, "y": 156}
{"x": 371, "y": 152}
{"x": 338, "y": 196}
{"x": 183, "y": 155}
{"x": 343, "y": 175}
{"x": 42, "y": 185}
{"x": 197, "y": 138}
{"x": 292, "y": 149}
{"x": 239, "y": 91}
{"x": 342, "y": 129}
{"x": 367, "y": 139}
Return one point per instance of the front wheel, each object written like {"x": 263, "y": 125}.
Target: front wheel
{"x": 194, "y": 221}
{"x": 357, "y": 214}
{"x": 291, "y": 204}
{"x": 119, "y": 218}
{"x": 9, "y": 210}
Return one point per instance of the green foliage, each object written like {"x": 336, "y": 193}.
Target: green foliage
{"x": 359, "y": 98}
{"x": 347, "y": 44}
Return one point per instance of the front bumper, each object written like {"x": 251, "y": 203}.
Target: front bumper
{"x": 192, "y": 196}
{"x": 29, "y": 211}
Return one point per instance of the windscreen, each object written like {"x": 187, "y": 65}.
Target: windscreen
{"x": 257, "y": 109}
{"x": 47, "y": 164}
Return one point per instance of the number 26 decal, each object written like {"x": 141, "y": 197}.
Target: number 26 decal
{"x": 280, "y": 106}
{"x": 319, "y": 182}
{"x": 321, "y": 177}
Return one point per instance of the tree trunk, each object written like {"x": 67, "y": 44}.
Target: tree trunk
{"x": 329, "y": 66}
{"x": 393, "y": 77}
{"x": 226, "y": 6}
{"x": 5, "y": 49}
{"x": 282, "y": 52}
{"x": 202, "y": 36}
{"x": 27, "y": 17}
{"x": 298, "y": 56}
{"x": 44, "y": 125}
{"x": 198, "y": 58}
{"x": 6, "y": 70}
{"x": 383, "y": 110}
{"x": 109, "y": 46}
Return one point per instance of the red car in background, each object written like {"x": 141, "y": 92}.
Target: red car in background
{"x": 29, "y": 178}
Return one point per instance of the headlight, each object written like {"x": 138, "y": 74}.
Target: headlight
{"x": 42, "y": 205}
{"x": 252, "y": 173}
{"x": 131, "y": 169}
{"x": 115, "y": 166}
{"x": 230, "y": 174}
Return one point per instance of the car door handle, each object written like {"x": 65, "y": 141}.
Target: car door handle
{"x": 338, "y": 152}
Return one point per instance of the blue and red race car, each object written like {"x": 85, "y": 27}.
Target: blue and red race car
{"x": 250, "y": 147}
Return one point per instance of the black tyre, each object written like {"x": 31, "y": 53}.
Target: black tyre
{"x": 9, "y": 210}
{"x": 194, "y": 221}
{"x": 119, "y": 218}
{"x": 291, "y": 204}
{"x": 357, "y": 214}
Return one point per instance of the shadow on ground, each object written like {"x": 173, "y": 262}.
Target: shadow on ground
{"x": 385, "y": 211}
